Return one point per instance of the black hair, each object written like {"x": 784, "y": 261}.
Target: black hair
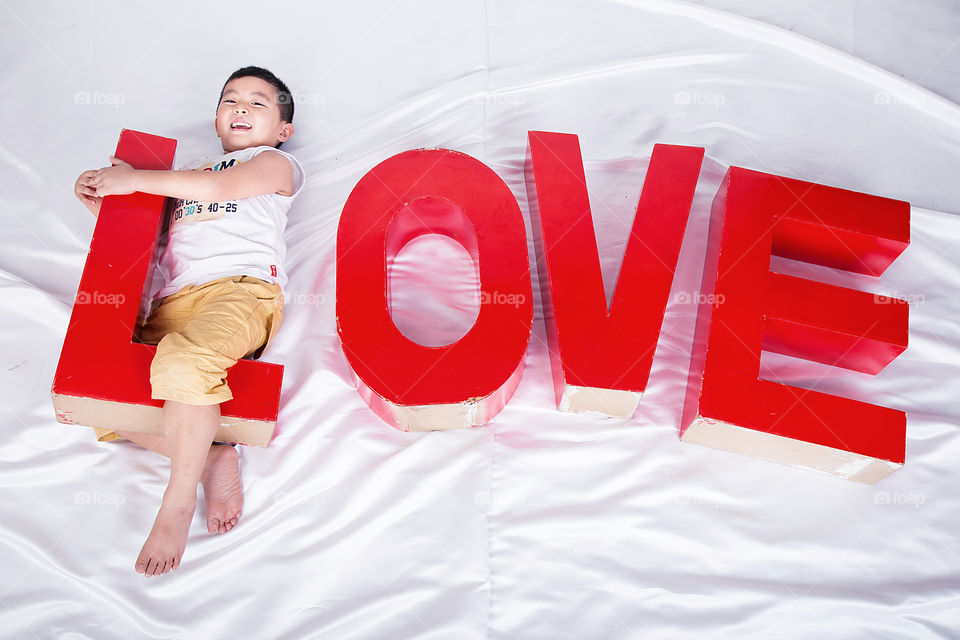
{"x": 284, "y": 97}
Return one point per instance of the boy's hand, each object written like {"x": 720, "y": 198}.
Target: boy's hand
{"x": 116, "y": 180}
{"x": 86, "y": 193}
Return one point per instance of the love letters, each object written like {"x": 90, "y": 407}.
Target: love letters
{"x": 600, "y": 357}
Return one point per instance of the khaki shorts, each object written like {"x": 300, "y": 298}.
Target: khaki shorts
{"x": 201, "y": 331}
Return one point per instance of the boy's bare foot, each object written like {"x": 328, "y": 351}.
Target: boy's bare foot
{"x": 222, "y": 488}
{"x": 164, "y": 546}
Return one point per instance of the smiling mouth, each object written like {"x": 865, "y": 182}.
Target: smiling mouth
{"x": 240, "y": 125}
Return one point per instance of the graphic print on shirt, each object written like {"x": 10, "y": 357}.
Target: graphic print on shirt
{"x": 197, "y": 211}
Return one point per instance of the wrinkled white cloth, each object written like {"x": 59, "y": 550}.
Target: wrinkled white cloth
{"x": 539, "y": 524}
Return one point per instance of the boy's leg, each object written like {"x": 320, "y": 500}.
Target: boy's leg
{"x": 222, "y": 488}
{"x": 189, "y": 431}
{"x": 227, "y": 320}
{"x": 151, "y": 441}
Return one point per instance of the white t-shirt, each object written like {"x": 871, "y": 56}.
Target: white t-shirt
{"x": 210, "y": 240}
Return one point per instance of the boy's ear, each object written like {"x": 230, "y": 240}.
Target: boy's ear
{"x": 216, "y": 127}
{"x": 286, "y": 131}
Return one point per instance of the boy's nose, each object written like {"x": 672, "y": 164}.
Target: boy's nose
{"x": 239, "y": 110}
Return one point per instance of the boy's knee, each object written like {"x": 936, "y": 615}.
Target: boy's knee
{"x": 176, "y": 352}
{"x": 190, "y": 372}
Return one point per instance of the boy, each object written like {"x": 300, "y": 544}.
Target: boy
{"x": 223, "y": 297}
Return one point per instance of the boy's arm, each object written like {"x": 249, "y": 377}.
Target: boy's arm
{"x": 266, "y": 172}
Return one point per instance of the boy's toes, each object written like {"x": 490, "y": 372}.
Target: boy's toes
{"x": 216, "y": 525}
{"x": 162, "y": 567}
{"x": 143, "y": 564}
{"x": 150, "y": 566}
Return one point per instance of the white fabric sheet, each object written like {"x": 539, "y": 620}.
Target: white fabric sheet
{"x": 540, "y": 524}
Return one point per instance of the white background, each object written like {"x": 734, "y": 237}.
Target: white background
{"x": 539, "y": 524}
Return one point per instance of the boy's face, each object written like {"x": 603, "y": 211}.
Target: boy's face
{"x": 249, "y": 116}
